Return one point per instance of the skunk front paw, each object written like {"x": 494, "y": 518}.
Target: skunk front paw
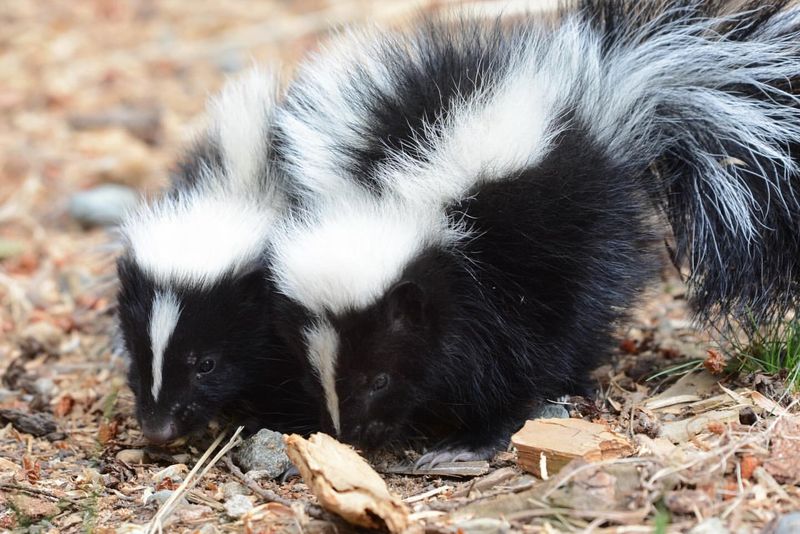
{"x": 455, "y": 453}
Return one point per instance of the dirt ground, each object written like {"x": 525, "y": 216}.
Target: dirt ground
{"x": 107, "y": 91}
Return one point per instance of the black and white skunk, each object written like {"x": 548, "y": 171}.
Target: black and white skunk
{"x": 488, "y": 200}
{"x": 193, "y": 302}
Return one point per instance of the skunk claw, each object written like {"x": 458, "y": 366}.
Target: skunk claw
{"x": 435, "y": 457}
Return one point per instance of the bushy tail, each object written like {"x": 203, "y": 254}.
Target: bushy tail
{"x": 708, "y": 91}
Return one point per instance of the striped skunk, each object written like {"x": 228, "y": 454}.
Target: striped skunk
{"x": 193, "y": 306}
{"x": 489, "y": 199}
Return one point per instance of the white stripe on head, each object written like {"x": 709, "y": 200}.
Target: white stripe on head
{"x": 322, "y": 342}
{"x": 163, "y": 318}
{"x": 197, "y": 238}
{"x": 352, "y": 252}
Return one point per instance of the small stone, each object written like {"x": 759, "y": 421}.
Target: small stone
{"x": 237, "y": 506}
{"x": 6, "y": 395}
{"x": 549, "y": 410}
{"x": 44, "y": 387}
{"x": 174, "y": 472}
{"x": 264, "y": 451}
{"x": 182, "y": 458}
{"x": 233, "y": 488}
{"x": 788, "y": 524}
{"x": 131, "y": 456}
{"x": 712, "y": 525}
{"x": 104, "y": 205}
{"x": 747, "y": 416}
{"x": 160, "y": 497}
{"x": 32, "y": 509}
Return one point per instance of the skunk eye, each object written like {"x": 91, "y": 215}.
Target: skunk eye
{"x": 380, "y": 382}
{"x": 206, "y": 366}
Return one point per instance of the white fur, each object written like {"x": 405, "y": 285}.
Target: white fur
{"x": 241, "y": 116}
{"x": 314, "y": 138}
{"x": 347, "y": 257}
{"x": 620, "y": 97}
{"x": 164, "y": 317}
{"x": 488, "y": 137}
{"x": 623, "y": 104}
{"x": 198, "y": 238}
{"x": 219, "y": 225}
{"x": 322, "y": 343}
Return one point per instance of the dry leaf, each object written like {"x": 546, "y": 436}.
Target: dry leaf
{"x": 64, "y": 405}
{"x": 715, "y": 362}
{"x": 345, "y": 484}
{"x": 31, "y": 468}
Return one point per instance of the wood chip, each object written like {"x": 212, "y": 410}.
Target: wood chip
{"x": 345, "y": 484}
{"x": 684, "y": 430}
{"x": 559, "y": 441}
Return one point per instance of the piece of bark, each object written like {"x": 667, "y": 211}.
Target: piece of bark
{"x": 345, "y": 484}
{"x": 544, "y": 446}
{"x": 37, "y": 424}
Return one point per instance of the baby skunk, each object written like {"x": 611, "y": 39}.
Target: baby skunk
{"x": 492, "y": 195}
{"x": 193, "y": 302}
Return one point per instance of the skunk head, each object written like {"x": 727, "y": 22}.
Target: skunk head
{"x": 389, "y": 363}
{"x": 193, "y": 294}
{"x": 193, "y": 349}
{"x": 373, "y": 280}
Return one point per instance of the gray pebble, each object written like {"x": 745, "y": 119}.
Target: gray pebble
{"x": 711, "y": 525}
{"x": 263, "y": 452}
{"x": 548, "y": 410}
{"x": 104, "y": 205}
{"x": 788, "y": 524}
{"x": 237, "y": 506}
{"x": 160, "y": 497}
{"x": 44, "y": 387}
{"x": 232, "y": 488}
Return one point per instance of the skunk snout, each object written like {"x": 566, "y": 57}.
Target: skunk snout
{"x": 160, "y": 432}
{"x": 370, "y": 435}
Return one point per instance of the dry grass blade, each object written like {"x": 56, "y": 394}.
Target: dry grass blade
{"x": 156, "y": 524}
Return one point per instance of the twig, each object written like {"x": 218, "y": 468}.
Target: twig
{"x": 269, "y": 495}
{"x": 36, "y": 491}
{"x": 265, "y": 494}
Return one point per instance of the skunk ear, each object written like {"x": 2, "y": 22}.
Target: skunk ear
{"x": 253, "y": 279}
{"x": 406, "y": 304}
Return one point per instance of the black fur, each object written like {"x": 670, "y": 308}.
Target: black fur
{"x": 252, "y": 380}
{"x": 470, "y": 337}
{"x": 754, "y": 280}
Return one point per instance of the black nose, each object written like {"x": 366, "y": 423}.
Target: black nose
{"x": 160, "y": 433}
